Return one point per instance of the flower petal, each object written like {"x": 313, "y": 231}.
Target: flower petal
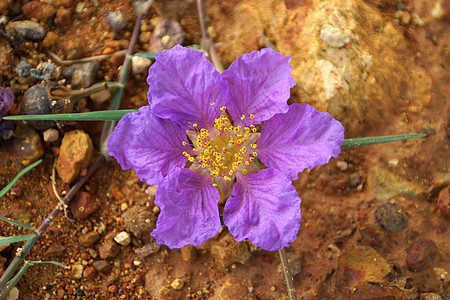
{"x": 183, "y": 84}
{"x": 189, "y": 212}
{"x": 299, "y": 139}
{"x": 263, "y": 208}
{"x": 149, "y": 145}
{"x": 259, "y": 84}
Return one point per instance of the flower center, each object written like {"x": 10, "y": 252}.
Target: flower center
{"x": 225, "y": 149}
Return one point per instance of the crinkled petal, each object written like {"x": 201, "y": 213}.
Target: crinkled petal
{"x": 299, "y": 139}
{"x": 183, "y": 84}
{"x": 149, "y": 145}
{"x": 259, "y": 84}
{"x": 263, "y": 208}
{"x": 189, "y": 212}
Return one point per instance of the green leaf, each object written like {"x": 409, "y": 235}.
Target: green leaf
{"x": 104, "y": 115}
{"x": 21, "y": 173}
{"x": 15, "y": 239}
{"x": 150, "y": 55}
{"x": 47, "y": 262}
{"x": 17, "y": 223}
{"x": 367, "y": 141}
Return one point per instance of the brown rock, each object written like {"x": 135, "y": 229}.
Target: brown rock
{"x": 75, "y": 153}
{"x": 337, "y": 80}
{"x": 149, "y": 248}
{"x": 38, "y": 10}
{"x": 372, "y": 235}
{"x": 89, "y": 239}
{"x": 62, "y": 17}
{"x": 55, "y": 250}
{"x": 89, "y": 272}
{"x": 444, "y": 202}
{"x": 83, "y": 205}
{"x": 50, "y": 39}
{"x": 108, "y": 249}
{"x": 377, "y": 290}
{"x": 361, "y": 265}
{"x": 66, "y": 3}
{"x": 188, "y": 253}
{"x": 102, "y": 266}
{"x": 167, "y": 33}
{"x": 27, "y": 146}
{"x": 227, "y": 251}
{"x": 421, "y": 255}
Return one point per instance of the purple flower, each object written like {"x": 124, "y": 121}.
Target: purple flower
{"x": 201, "y": 138}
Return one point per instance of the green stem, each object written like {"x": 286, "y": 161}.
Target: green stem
{"x": 287, "y": 275}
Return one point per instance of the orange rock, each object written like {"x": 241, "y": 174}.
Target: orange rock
{"x": 75, "y": 153}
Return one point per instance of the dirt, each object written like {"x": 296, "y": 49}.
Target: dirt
{"x": 375, "y": 221}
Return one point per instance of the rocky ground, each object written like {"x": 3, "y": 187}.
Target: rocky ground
{"x": 375, "y": 222}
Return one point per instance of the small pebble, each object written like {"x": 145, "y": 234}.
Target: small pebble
{"x": 177, "y": 284}
{"x": 156, "y": 209}
{"x": 123, "y": 206}
{"x": 77, "y": 271}
{"x": 273, "y": 288}
{"x": 102, "y": 266}
{"x": 50, "y": 135}
{"x": 108, "y": 249}
{"x": 421, "y": 255}
{"x": 29, "y": 30}
{"x": 137, "y": 263}
{"x": 140, "y": 65}
{"x": 393, "y": 162}
{"x": 23, "y": 68}
{"x": 354, "y": 180}
{"x": 116, "y": 20}
{"x": 342, "y": 165}
{"x": 123, "y": 238}
{"x": 333, "y": 36}
{"x": 84, "y": 75}
{"x": 391, "y": 217}
{"x": 63, "y": 16}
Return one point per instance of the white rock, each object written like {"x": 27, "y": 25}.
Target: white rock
{"x": 140, "y": 65}
{"x": 123, "y": 238}
{"x": 51, "y": 135}
{"x": 342, "y": 165}
{"x": 333, "y": 36}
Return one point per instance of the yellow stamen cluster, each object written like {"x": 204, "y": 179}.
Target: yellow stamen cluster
{"x": 223, "y": 151}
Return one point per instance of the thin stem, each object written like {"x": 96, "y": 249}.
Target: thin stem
{"x": 81, "y": 60}
{"x": 287, "y": 275}
{"x": 207, "y": 43}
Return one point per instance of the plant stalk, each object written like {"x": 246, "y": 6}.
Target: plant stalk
{"x": 287, "y": 275}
